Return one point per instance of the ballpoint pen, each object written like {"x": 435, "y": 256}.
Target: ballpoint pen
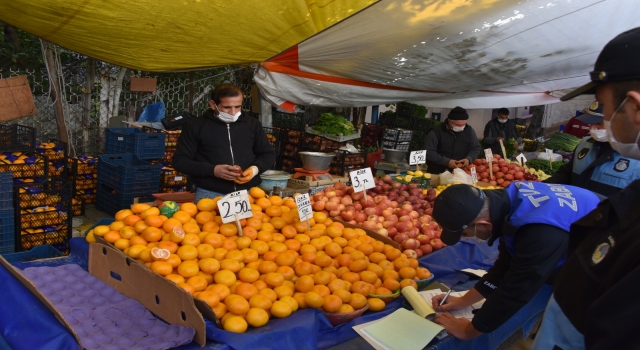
{"x": 445, "y": 298}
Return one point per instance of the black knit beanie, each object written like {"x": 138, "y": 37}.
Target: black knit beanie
{"x": 458, "y": 113}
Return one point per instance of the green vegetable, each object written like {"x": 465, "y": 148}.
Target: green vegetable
{"x": 334, "y": 125}
{"x": 510, "y": 147}
{"x": 543, "y": 165}
{"x": 562, "y": 141}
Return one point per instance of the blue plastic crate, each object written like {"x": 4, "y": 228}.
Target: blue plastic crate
{"x": 7, "y": 232}
{"x": 111, "y": 203}
{"x": 40, "y": 252}
{"x": 132, "y": 140}
{"x": 128, "y": 175}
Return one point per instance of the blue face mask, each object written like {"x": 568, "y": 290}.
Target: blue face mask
{"x": 631, "y": 150}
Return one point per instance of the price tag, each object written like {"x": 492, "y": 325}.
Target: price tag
{"x": 549, "y": 152}
{"x": 521, "y": 159}
{"x": 474, "y": 175}
{"x": 362, "y": 179}
{"x": 488, "y": 154}
{"x": 235, "y": 203}
{"x": 177, "y": 178}
{"x": 418, "y": 157}
{"x": 304, "y": 207}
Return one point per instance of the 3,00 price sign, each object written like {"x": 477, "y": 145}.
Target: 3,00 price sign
{"x": 488, "y": 155}
{"x": 418, "y": 157}
{"x": 304, "y": 207}
{"x": 362, "y": 179}
{"x": 235, "y": 203}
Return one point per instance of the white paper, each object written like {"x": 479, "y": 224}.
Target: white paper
{"x": 475, "y": 272}
{"x": 235, "y": 203}
{"x": 362, "y": 179}
{"x": 304, "y": 207}
{"x": 466, "y": 313}
{"x": 521, "y": 158}
{"x": 418, "y": 157}
{"x": 474, "y": 175}
{"x": 488, "y": 154}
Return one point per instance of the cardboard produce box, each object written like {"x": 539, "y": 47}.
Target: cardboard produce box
{"x": 160, "y": 296}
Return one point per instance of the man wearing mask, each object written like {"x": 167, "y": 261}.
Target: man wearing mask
{"x": 224, "y": 150}
{"x": 595, "y": 301}
{"x": 500, "y": 129}
{"x": 452, "y": 144}
{"x": 532, "y": 221}
{"x": 595, "y": 165}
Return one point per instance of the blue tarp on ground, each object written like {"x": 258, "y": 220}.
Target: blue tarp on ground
{"x": 21, "y": 313}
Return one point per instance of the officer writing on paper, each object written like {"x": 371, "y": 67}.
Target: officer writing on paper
{"x": 595, "y": 165}
{"x": 595, "y": 302}
{"x": 224, "y": 150}
{"x": 532, "y": 220}
{"x": 500, "y": 129}
{"x": 452, "y": 144}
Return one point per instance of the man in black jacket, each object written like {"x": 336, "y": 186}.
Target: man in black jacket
{"x": 500, "y": 128}
{"x": 224, "y": 150}
{"x": 532, "y": 221}
{"x": 452, "y": 144}
{"x": 595, "y": 302}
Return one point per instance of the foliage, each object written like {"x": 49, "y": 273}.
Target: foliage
{"x": 334, "y": 125}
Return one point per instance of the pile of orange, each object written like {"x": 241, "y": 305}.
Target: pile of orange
{"x": 277, "y": 266}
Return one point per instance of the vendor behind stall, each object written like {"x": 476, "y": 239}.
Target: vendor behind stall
{"x": 595, "y": 165}
{"x": 452, "y": 144}
{"x": 532, "y": 220}
{"x": 500, "y": 129}
{"x": 224, "y": 150}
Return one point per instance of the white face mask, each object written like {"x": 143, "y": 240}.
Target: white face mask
{"x": 600, "y": 135}
{"x": 631, "y": 150}
{"x": 502, "y": 121}
{"x": 457, "y": 128}
{"x": 228, "y": 118}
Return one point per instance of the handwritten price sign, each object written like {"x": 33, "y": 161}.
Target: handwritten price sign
{"x": 474, "y": 175}
{"x": 362, "y": 179}
{"x": 304, "y": 207}
{"x": 418, "y": 157}
{"x": 488, "y": 154}
{"x": 235, "y": 203}
{"x": 521, "y": 159}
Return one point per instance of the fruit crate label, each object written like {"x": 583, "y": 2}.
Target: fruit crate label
{"x": 474, "y": 175}
{"x": 304, "y": 207}
{"x": 418, "y": 157}
{"x": 362, "y": 179}
{"x": 488, "y": 154}
{"x": 235, "y": 203}
{"x": 177, "y": 178}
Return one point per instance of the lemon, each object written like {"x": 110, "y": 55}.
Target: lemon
{"x": 418, "y": 173}
{"x": 408, "y": 178}
{"x": 410, "y": 172}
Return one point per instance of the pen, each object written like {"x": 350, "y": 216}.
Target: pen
{"x": 445, "y": 298}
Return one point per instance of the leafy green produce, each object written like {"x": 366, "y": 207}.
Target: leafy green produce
{"x": 562, "y": 141}
{"x": 510, "y": 147}
{"x": 543, "y": 165}
{"x": 334, "y": 125}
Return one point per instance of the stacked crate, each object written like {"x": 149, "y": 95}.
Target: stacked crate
{"x": 7, "y": 234}
{"x": 83, "y": 174}
{"x": 274, "y": 136}
{"x": 56, "y": 153}
{"x": 170, "y": 180}
{"x": 291, "y": 145}
{"x": 345, "y": 162}
{"x": 43, "y": 214}
{"x": 122, "y": 178}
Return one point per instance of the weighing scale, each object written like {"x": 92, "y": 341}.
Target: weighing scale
{"x": 316, "y": 174}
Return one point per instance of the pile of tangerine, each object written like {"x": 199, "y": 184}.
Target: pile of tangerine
{"x": 277, "y": 266}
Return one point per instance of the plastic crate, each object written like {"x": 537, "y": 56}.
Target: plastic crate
{"x": 170, "y": 178}
{"x": 404, "y": 109}
{"x": 127, "y": 174}
{"x": 88, "y": 196}
{"x": 51, "y": 192}
{"x": 85, "y": 182}
{"x": 41, "y": 252}
{"x": 54, "y": 149}
{"x": 110, "y": 202}
{"x": 82, "y": 165}
{"x": 345, "y": 162}
{"x": 275, "y": 137}
{"x": 6, "y": 190}
{"x": 77, "y": 205}
{"x": 58, "y": 235}
{"x": 317, "y": 143}
{"x": 35, "y": 165}
{"x": 371, "y": 135}
{"x": 49, "y": 216}
{"x": 14, "y": 138}
{"x": 291, "y": 121}
{"x": 130, "y": 140}
{"x": 397, "y": 135}
{"x": 7, "y": 232}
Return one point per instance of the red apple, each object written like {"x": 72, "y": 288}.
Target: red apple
{"x": 436, "y": 243}
{"x": 410, "y": 253}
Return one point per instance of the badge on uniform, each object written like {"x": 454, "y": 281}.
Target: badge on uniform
{"x": 600, "y": 252}
{"x": 621, "y": 165}
{"x": 583, "y": 152}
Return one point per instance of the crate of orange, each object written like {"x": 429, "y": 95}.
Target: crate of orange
{"x": 24, "y": 165}
{"x": 274, "y": 267}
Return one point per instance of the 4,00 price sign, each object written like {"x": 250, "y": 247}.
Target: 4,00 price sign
{"x": 362, "y": 179}
{"x": 235, "y": 203}
{"x": 418, "y": 157}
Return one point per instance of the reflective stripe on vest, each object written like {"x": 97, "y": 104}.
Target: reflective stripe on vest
{"x": 550, "y": 204}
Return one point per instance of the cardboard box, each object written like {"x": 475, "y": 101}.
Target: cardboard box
{"x": 16, "y": 100}
{"x": 143, "y": 84}
{"x": 160, "y": 296}
{"x": 373, "y": 234}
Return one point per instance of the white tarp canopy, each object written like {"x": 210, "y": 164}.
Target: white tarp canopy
{"x": 445, "y": 53}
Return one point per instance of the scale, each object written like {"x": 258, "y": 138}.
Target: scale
{"x": 317, "y": 175}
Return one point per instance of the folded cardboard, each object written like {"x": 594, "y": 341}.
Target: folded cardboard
{"x": 159, "y": 295}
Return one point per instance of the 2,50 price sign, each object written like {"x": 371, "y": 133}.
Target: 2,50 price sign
{"x": 418, "y": 157}
{"x": 235, "y": 203}
{"x": 362, "y": 179}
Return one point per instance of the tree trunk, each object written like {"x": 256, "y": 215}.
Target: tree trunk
{"x": 56, "y": 92}
{"x": 11, "y": 36}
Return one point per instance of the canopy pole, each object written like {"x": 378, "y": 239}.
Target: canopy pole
{"x": 374, "y": 114}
